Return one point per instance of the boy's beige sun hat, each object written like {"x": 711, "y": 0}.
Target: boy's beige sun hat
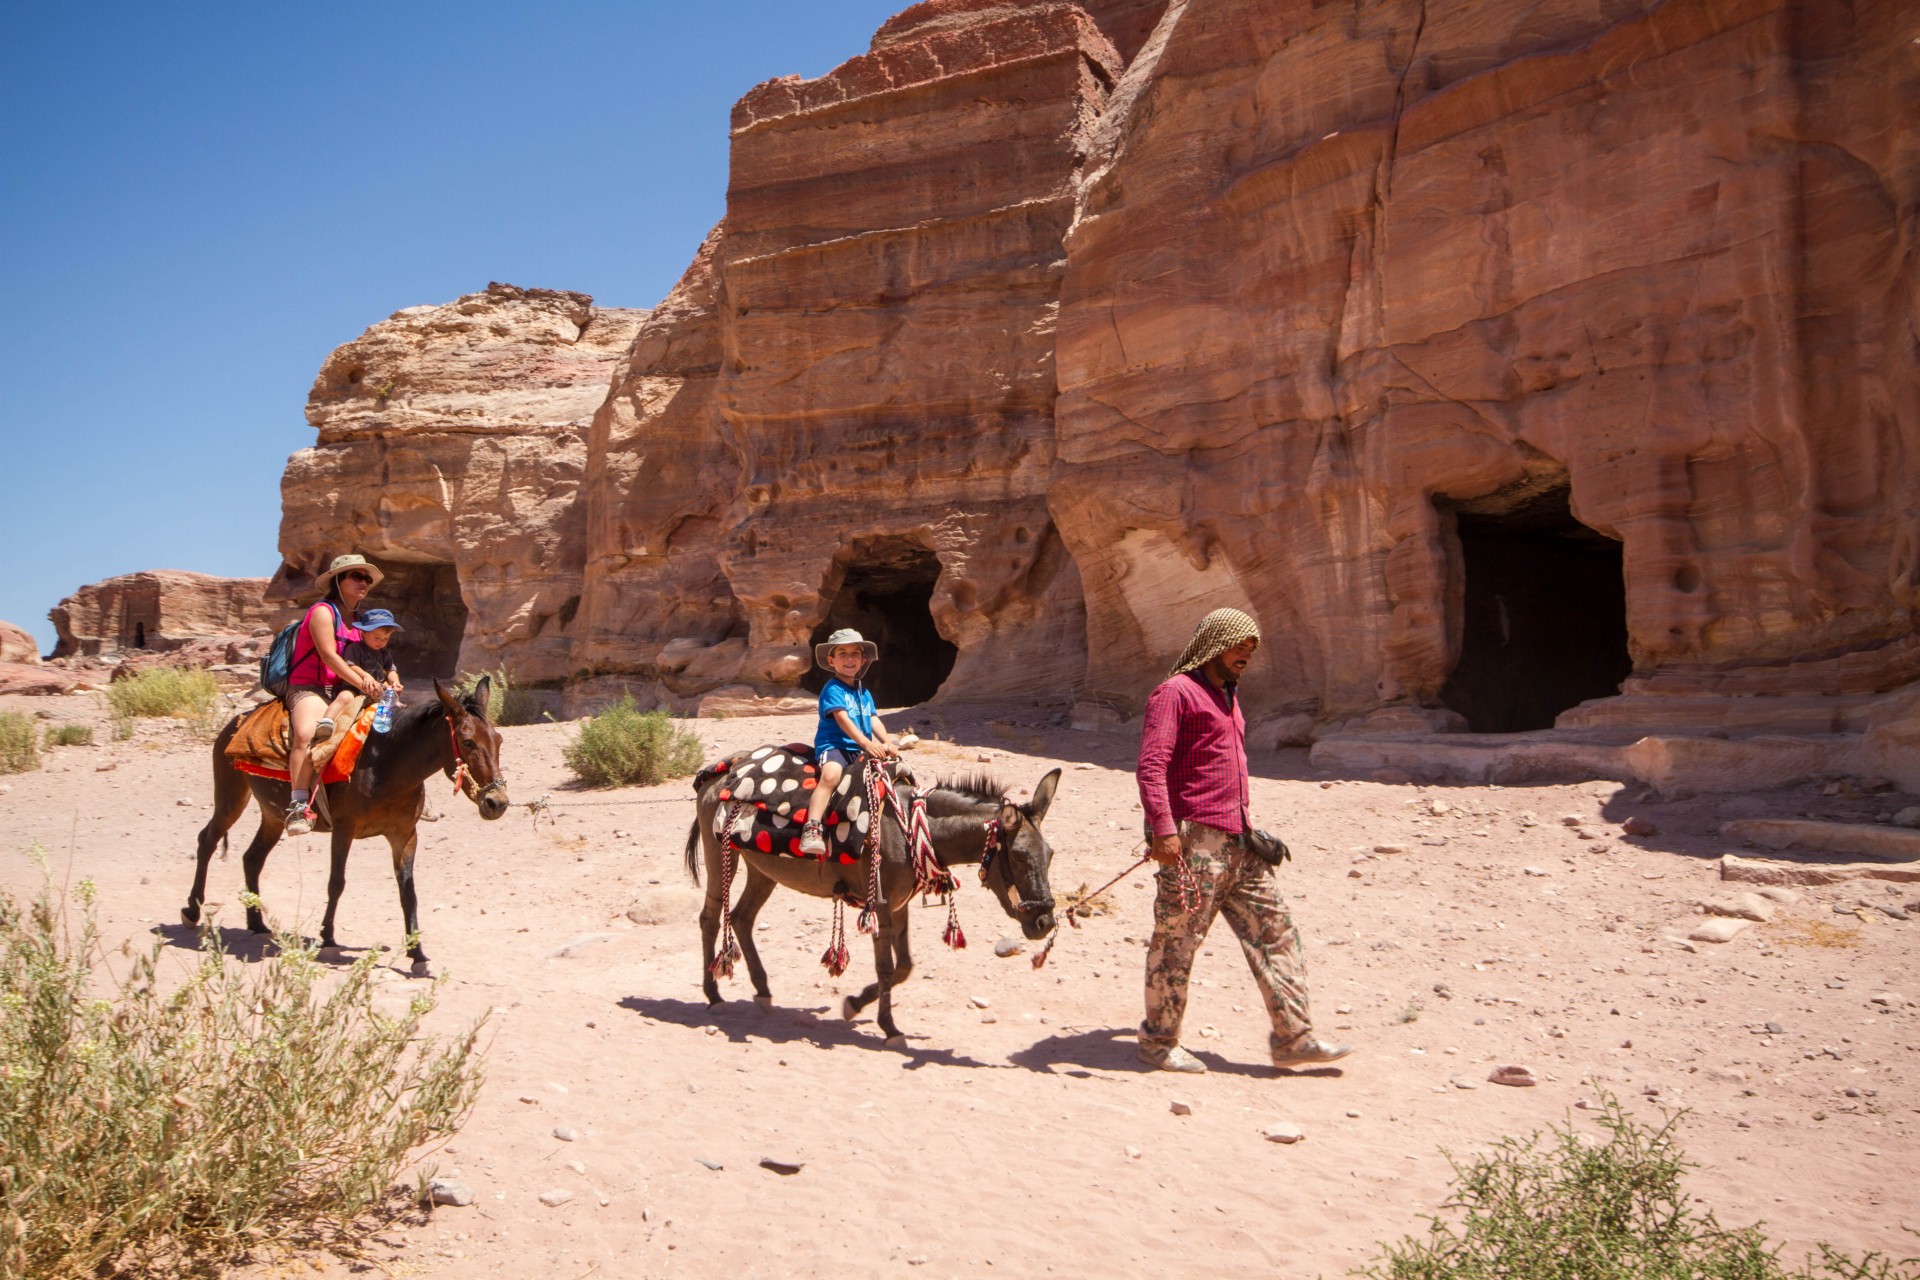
{"x": 342, "y": 564}
{"x": 845, "y": 635}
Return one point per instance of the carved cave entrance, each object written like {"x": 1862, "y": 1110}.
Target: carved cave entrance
{"x": 885, "y": 596}
{"x": 1544, "y": 615}
{"x": 426, "y": 599}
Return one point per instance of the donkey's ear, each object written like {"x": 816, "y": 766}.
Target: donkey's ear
{"x": 1010, "y": 817}
{"x": 482, "y": 695}
{"x": 1042, "y": 797}
{"x": 447, "y": 700}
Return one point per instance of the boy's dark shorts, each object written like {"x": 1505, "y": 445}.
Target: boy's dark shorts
{"x": 836, "y": 755}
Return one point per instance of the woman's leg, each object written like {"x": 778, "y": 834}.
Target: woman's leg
{"x": 304, "y": 709}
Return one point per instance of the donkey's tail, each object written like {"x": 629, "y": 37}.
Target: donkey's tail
{"x": 693, "y": 851}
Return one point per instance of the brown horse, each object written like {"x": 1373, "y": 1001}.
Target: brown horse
{"x": 957, "y": 814}
{"x": 384, "y": 797}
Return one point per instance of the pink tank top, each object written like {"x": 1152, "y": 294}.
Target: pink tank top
{"x": 308, "y": 670}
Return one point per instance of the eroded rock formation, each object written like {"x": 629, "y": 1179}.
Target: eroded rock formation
{"x": 162, "y": 611}
{"x": 1499, "y": 357}
{"x": 452, "y": 442}
{"x": 17, "y": 645}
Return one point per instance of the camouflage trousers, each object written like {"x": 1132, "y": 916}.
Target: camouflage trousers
{"x": 1232, "y": 882}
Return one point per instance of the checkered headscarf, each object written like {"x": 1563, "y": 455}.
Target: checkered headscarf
{"x": 1218, "y": 632}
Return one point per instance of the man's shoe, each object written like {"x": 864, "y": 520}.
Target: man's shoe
{"x": 1310, "y": 1052}
{"x": 298, "y": 824}
{"x": 812, "y": 839}
{"x": 1174, "y": 1059}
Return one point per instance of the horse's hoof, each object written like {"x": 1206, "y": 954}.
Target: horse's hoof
{"x": 420, "y": 969}
{"x": 765, "y": 1002}
{"x": 848, "y": 1009}
{"x": 189, "y": 917}
{"x": 898, "y": 1040}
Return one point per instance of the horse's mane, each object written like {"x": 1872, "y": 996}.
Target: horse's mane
{"x": 951, "y": 795}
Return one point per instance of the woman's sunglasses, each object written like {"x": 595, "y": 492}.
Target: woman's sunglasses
{"x": 366, "y": 578}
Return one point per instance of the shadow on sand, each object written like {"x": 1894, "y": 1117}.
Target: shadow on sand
{"x": 741, "y": 1021}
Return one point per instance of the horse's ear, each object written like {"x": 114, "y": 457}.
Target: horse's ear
{"x": 481, "y": 696}
{"x": 447, "y": 700}
{"x": 1037, "y": 807}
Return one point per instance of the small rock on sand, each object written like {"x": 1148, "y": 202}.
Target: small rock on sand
{"x": 1718, "y": 929}
{"x": 556, "y": 1197}
{"x": 782, "y": 1166}
{"x": 980, "y": 1002}
{"x": 1180, "y": 1107}
{"x": 563, "y": 1133}
{"x": 1635, "y": 825}
{"x": 1283, "y": 1132}
{"x": 447, "y": 1191}
{"x": 1518, "y": 1077}
{"x": 1740, "y": 906}
{"x": 1009, "y": 946}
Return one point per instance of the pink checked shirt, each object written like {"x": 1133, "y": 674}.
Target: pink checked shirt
{"x": 1193, "y": 757}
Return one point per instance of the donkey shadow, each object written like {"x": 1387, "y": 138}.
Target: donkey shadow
{"x": 819, "y": 1027}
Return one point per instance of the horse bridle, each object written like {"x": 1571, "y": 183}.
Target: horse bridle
{"x": 461, "y": 774}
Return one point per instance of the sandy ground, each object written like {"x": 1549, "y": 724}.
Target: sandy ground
{"x": 1021, "y": 1138}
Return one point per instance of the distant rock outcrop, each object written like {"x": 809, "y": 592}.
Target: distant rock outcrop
{"x": 17, "y": 645}
{"x": 160, "y": 611}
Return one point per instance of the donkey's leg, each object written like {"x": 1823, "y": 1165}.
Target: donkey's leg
{"x": 404, "y": 848}
{"x": 902, "y": 966}
{"x": 342, "y": 843}
{"x": 230, "y": 796}
{"x": 752, "y": 898}
{"x": 710, "y": 910}
{"x": 885, "y": 965}
{"x": 272, "y": 823}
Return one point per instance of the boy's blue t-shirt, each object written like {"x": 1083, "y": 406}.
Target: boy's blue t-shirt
{"x": 857, "y": 703}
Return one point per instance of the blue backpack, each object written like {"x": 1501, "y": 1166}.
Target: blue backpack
{"x": 276, "y": 665}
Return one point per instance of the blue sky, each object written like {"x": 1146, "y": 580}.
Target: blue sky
{"x": 198, "y": 202}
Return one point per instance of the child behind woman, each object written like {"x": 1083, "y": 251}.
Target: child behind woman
{"x": 368, "y": 656}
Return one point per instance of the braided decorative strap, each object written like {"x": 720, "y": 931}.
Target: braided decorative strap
{"x": 729, "y": 946}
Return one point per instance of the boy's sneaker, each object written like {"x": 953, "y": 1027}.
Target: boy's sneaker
{"x": 813, "y": 840}
{"x": 298, "y": 824}
{"x": 323, "y": 730}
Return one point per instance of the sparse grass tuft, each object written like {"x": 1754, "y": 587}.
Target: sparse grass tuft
{"x": 19, "y": 743}
{"x": 1569, "y": 1209}
{"x": 171, "y": 692}
{"x": 71, "y": 735}
{"x": 1098, "y": 907}
{"x": 1821, "y": 933}
{"x": 507, "y": 705}
{"x": 624, "y": 745}
{"x": 1411, "y": 1013}
{"x": 158, "y": 1127}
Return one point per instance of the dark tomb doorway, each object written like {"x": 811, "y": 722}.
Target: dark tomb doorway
{"x": 1544, "y": 618}
{"x": 885, "y": 596}
{"x": 425, "y": 597}
{"x": 139, "y": 635}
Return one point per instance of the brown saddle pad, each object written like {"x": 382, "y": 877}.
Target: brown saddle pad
{"x": 776, "y": 784}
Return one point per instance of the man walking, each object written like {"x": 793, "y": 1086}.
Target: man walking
{"x": 1193, "y": 787}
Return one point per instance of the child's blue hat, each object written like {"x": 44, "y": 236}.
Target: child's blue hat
{"x": 377, "y": 619}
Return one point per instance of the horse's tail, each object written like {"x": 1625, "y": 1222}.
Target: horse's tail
{"x": 693, "y": 850}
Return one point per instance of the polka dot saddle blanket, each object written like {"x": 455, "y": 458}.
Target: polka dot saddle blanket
{"x": 777, "y": 783}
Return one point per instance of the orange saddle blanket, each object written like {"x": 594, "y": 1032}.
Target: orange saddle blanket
{"x": 259, "y": 744}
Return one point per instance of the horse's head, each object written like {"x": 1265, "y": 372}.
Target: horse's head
{"x": 1017, "y": 873}
{"x": 475, "y": 762}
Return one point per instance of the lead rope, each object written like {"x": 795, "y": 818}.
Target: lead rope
{"x": 1040, "y": 956}
{"x": 722, "y": 966}
{"x": 460, "y": 772}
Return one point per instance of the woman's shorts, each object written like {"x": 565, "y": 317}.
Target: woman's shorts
{"x": 835, "y": 755}
{"x": 298, "y": 691}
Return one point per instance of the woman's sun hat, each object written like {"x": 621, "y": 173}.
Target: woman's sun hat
{"x": 342, "y": 564}
{"x": 378, "y": 620}
{"x": 869, "y": 651}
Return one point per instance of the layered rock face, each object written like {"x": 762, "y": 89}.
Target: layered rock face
{"x": 17, "y": 645}
{"x": 843, "y": 414}
{"x": 162, "y": 611}
{"x": 452, "y": 443}
{"x": 1491, "y": 352}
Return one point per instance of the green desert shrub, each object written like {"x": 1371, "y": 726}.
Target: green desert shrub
{"x": 624, "y": 745}
{"x": 507, "y": 704}
{"x": 70, "y": 735}
{"x": 19, "y": 743}
{"x": 1563, "y": 1208}
{"x": 155, "y": 1122}
{"x": 175, "y": 692}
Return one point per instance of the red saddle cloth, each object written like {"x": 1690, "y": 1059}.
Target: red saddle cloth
{"x": 775, "y": 785}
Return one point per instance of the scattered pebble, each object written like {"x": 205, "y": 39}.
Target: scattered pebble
{"x": 1133, "y": 1153}
{"x": 184, "y": 803}
{"x": 1635, "y": 825}
{"x": 1518, "y": 1077}
{"x": 1009, "y": 946}
{"x": 714, "y": 1165}
{"x": 556, "y": 1197}
{"x": 1283, "y": 1132}
{"x": 1534, "y": 871}
{"x": 1464, "y": 1084}
{"x": 447, "y": 1191}
{"x": 980, "y": 1002}
{"x": 785, "y": 1168}
{"x": 1390, "y": 848}
{"x": 1180, "y": 1108}
{"x": 563, "y": 1133}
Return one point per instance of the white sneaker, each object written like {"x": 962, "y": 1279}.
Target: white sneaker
{"x": 298, "y": 824}
{"x": 1174, "y": 1059}
{"x": 812, "y": 839}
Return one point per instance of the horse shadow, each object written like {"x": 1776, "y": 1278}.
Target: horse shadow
{"x": 820, "y": 1027}
{"x": 245, "y": 946}
{"x": 1114, "y": 1049}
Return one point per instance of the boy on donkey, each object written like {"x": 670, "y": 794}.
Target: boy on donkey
{"x": 1193, "y": 787}
{"x": 849, "y": 725}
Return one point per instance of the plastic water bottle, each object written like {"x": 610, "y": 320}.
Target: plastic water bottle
{"x": 383, "y": 714}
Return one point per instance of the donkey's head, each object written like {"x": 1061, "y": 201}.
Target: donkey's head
{"x": 1017, "y": 870}
{"x": 476, "y": 748}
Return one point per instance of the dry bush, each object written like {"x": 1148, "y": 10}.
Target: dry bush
{"x": 507, "y": 704}
{"x": 624, "y": 745}
{"x": 19, "y": 743}
{"x": 70, "y": 735}
{"x": 165, "y": 692}
{"x": 151, "y": 1127}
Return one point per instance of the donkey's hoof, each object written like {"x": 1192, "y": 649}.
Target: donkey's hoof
{"x": 420, "y": 969}
{"x": 848, "y": 1009}
{"x": 898, "y": 1040}
{"x": 765, "y": 1002}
